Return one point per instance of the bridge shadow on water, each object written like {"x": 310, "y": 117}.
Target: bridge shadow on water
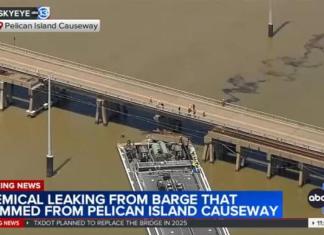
{"x": 139, "y": 117}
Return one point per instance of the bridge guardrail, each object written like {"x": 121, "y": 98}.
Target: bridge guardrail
{"x": 45, "y": 75}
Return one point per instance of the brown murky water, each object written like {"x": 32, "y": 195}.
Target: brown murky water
{"x": 216, "y": 48}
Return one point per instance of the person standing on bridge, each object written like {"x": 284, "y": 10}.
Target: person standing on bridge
{"x": 189, "y": 110}
{"x": 194, "y": 109}
{"x": 159, "y": 104}
{"x": 223, "y": 102}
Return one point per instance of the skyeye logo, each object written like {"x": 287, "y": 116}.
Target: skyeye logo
{"x": 43, "y": 13}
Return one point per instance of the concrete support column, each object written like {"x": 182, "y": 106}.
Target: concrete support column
{"x": 205, "y": 152}
{"x": 104, "y": 113}
{"x": 98, "y": 110}
{"x": 37, "y": 100}
{"x": 238, "y": 157}
{"x": 3, "y": 95}
{"x": 211, "y": 153}
{"x": 101, "y": 112}
{"x": 31, "y": 111}
{"x": 303, "y": 175}
{"x": 269, "y": 166}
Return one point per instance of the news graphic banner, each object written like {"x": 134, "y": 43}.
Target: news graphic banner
{"x": 26, "y": 204}
{"x": 125, "y": 204}
{"x": 36, "y": 19}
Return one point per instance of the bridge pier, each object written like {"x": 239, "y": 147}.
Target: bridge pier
{"x": 238, "y": 157}
{"x": 206, "y": 151}
{"x": 211, "y": 153}
{"x": 35, "y": 101}
{"x": 30, "y": 111}
{"x": 269, "y": 166}
{"x": 101, "y": 112}
{"x": 3, "y": 95}
{"x": 104, "y": 113}
{"x": 303, "y": 175}
{"x": 98, "y": 103}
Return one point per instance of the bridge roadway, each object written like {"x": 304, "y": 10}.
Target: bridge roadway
{"x": 151, "y": 95}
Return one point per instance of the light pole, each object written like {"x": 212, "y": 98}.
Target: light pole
{"x": 270, "y": 24}
{"x": 49, "y": 156}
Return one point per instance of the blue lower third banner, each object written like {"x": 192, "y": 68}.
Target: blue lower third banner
{"x": 122, "y": 204}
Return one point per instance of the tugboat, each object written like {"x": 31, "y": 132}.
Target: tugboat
{"x": 165, "y": 163}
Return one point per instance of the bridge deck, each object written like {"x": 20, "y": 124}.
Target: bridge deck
{"x": 150, "y": 95}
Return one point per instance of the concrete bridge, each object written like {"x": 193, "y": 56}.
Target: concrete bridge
{"x": 243, "y": 127}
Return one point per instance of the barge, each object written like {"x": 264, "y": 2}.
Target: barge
{"x": 166, "y": 163}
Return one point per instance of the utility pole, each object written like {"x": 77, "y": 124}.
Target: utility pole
{"x": 270, "y": 24}
{"x": 49, "y": 156}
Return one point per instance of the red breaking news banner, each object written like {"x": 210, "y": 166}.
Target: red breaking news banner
{"x": 22, "y": 185}
{"x": 18, "y": 185}
{"x": 12, "y": 223}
